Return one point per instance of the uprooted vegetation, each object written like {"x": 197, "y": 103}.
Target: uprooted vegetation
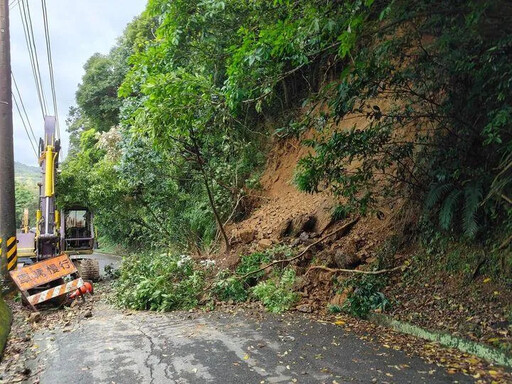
{"x": 168, "y": 282}
{"x": 274, "y": 276}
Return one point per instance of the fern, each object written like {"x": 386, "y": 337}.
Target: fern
{"x": 448, "y": 209}
{"x": 448, "y": 195}
{"x": 473, "y": 194}
{"x": 436, "y": 193}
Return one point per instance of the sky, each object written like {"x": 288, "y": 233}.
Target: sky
{"x": 78, "y": 29}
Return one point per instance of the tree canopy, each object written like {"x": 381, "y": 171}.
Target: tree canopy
{"x": 171, "y": 125}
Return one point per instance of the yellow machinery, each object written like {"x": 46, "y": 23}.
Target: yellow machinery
{"x": 71, "y": 232}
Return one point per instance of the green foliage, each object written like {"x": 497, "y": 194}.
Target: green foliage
{"x": 333, "y": 309}
{"x": 457, "y": 257}
{"x": 465, "y": 200}
{"x": 279, "y": 43}
{"x": 341, "y": 212}
{"x": 195, "y": 88}
{"x": 178, "y": 158}
{"x": 230, "y": 287}
{"x": 159, "y": 282}
{"x": 26, "y": 197}
{"x": 366, "y": 296}
{"x": 26, "y": 174}
{"x": 252, "y": 262}
{"x": 432, "y": 80}
{"x": 292, "y": 129}
{"x": 97, "y": 95}
{"x": 236, "y": 287}
{"x": 277, "y": 294}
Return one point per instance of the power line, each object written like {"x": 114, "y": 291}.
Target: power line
{"x": 50, "y": 64}
{"x": 24, "y": 124}
{"x": 32, "y": 51}
{"x": 35, "y": 56}
{"x": 23, "y": 106}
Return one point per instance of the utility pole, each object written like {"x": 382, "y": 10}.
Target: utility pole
{"x": 7, "y": 207}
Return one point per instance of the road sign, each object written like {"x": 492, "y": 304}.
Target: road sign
{"x": 43, "y": 272}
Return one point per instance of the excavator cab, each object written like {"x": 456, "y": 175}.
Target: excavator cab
{"x": 77, "y": 231}
{"x": 78, "y": 238}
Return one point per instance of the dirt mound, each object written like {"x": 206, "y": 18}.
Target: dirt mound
{"x": 283, "y": 210}
{"x": 286, "y": 215}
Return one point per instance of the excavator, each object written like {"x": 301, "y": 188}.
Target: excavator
{"x": 69, "y": 231}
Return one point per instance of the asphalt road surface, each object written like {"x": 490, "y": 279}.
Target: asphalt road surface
{"x": 117, "y": 347}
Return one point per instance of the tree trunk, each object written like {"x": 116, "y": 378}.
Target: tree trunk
{"x": 210, "y": 196}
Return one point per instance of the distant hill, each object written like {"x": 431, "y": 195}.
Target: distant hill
{"x": 27, "y": 175}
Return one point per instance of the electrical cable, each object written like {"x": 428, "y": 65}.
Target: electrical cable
{"x": 23, "y": 106}
{"x": 36, "y": 56}
{"x": 14, "y": 3}
{"x": 24, "y": 124}
{"x": 50, "y": 65}
{"x": 33, "y": 55}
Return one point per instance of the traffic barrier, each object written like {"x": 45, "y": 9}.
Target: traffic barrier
{"x": 42, "y": 273}
{"x": 51, "y": 293}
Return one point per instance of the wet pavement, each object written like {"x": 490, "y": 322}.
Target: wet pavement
{"x": 220, "y": 347}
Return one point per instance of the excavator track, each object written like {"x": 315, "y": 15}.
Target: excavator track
{"x": 89, "y": 269}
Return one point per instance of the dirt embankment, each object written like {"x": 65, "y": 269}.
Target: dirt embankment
{"x": 285, "y": 215}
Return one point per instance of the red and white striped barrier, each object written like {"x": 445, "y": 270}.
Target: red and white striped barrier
{"x": 55, "y": 291}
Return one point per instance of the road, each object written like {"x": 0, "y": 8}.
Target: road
{"x": 124, "y": 348}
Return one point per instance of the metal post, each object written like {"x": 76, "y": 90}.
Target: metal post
{"x": 7, "y": 208}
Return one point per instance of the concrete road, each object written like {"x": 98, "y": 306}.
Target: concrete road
{"x": 127, "y": 348}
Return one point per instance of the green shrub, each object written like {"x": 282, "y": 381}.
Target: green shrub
{"x": 341, "y": 212}
{"x": 455, "y": 201}
{"x": 333, "y": 308}
{"x": 159, "y": 282}
{"x": 252, "y": 262}
{"x": 229, "y": 287}
{"x": 366, "y": 297}
{"x": 277, "y": 294}
{"x": 232, "y": 286}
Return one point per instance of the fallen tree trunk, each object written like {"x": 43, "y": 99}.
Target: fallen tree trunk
{"x": 336, "y": 270}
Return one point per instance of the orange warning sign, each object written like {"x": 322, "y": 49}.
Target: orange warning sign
{"x": 43, "y": 272}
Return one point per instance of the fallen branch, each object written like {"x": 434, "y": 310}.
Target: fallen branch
{"x": 506, "y": 198}
{"x": 505, "y": 243}
{"x": 336, "y": 270}
{"x": 343, "y": 228}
